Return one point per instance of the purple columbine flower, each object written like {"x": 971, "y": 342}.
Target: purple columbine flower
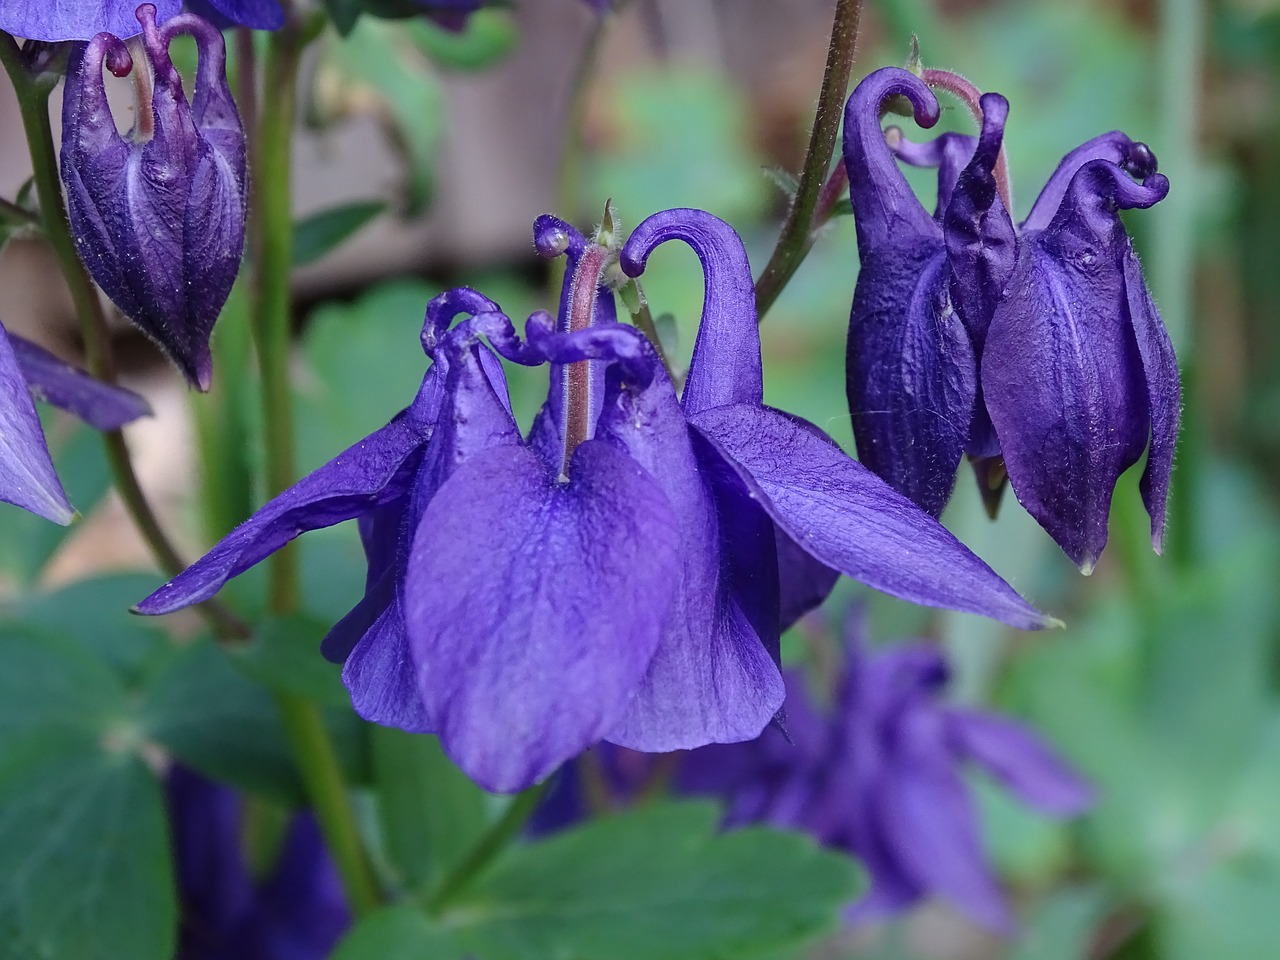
{"x": 296, "y": 912}
{"x": 159, "y": 216}
{"x": 879, "y": 773}
{"x": 1039, "y": 345}
{"x": 615, "y": 575}
{"x": 85, "y": 19}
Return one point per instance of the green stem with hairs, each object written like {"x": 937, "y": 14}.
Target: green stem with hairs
{"x": 271, "y": 247}
{"x": 797, "y": 232}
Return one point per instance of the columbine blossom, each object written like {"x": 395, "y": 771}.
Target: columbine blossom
{"x": 1038, "y": 344}
{"x": 83, "y": 20}
{"x": 879, "y": 773}
{"x": 159, "y": 215}
{"x": 615, "y": 575}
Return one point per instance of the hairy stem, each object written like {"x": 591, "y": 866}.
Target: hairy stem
{"x": 797, "y": 231}
{"x": 271, "y": 244}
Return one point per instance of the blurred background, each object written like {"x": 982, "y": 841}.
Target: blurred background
{"x": 443, "y": 149}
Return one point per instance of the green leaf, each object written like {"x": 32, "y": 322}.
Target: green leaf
{"x": 430, "y": 812}
{"x": 490, "y": 36}
{"x": 657, "y": 883}
{"x": 96, "y": 613}
{"x": 399, "y": 933}
{"x": 325, "y": 231}
{"x": 344, "y": 14}
{"x": 285, "y": 656}
{"x": 1062, "y": 926}
{"x": 218, "y": 721}
{"x": 379, "y": 57}
{"x": 84, "y": 858}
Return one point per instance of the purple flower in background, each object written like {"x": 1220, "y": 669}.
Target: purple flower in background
{"x": 615, "y": 575}
{"x": 1039, "y": 345}
{"x": 296, "y": 912}
{"x": 159, "y": 216}
{"x": 879, "y": 774}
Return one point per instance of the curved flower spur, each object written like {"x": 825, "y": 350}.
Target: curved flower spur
{"x": 159, "y": 216}
{"x": 1039, "y": 345}
{"x": 614, "y": 576}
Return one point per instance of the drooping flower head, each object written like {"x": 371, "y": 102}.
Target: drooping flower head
{"x": 614, "y": 575}
{"x": 158, "y": 215}
{"x": 1036, "y": 350}
{"x": 85, "y": 19}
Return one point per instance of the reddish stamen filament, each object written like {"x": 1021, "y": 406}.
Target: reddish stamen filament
{"x": 577, "y": 395}
{"x": 971, "y": 97}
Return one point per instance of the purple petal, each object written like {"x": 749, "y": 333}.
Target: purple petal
{"x": 534, "y": 607}
{"x": 850, "y": 520}
{"x": 76, "y": 19}
{"x": 1061, "y": 370}
{"x": 372, "y": 472}
{"x": 949, "y": 152}
{"x": 55, "y": 381}
{"x": 257, "y": 14}
{"x": 27, "y": 477}
{"x": 725, "y": 367}
{"x": 885, "y": 209}
{"x": 382, "y": 678}
{"x": 1164, "y": 395}
{"x": 910, "y": 373}
{"x": 931, "y": 827}
{"x": 1020, "y": 760}
{"x": 981, "y": 243}
{"x": 804, "y": 582}
{"x": 1113, "y": 146}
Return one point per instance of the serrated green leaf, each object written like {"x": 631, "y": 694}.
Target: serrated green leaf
{"x": 323, "y": 232}
{"x": 284, "y": 655}
{"x": 84, "y": 859}
{"x": 399, "y": 933}
{"x": 657, "y": 883}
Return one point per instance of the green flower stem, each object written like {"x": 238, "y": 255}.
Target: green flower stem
{"x": 797, "y": 232}
{"x": 492, "y": 843}
{"x": 322, "y": 777}
{"x": 33, "y": 103}
{"x": 271, "y": 247}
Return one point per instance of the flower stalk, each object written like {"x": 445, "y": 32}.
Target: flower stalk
{"x": 798, "y": 230}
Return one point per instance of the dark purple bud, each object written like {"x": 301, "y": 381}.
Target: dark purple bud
{"x": 158, "y": 215}
{"x": 76, "y": 20}
{"x": 1078, "y": 370}
{"x": 911, "y": 370}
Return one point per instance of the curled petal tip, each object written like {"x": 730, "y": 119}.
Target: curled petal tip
{"x": 1140, "y": 161}
{"x": 1087, "y": 565}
